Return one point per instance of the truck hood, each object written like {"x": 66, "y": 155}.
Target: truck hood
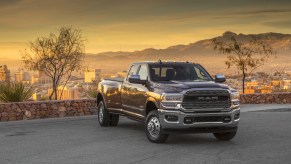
{"x": 179, "y": 86}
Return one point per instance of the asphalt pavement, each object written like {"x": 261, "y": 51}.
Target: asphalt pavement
{"x": 263, "y": 137}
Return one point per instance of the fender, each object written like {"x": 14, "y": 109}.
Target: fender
{"x": 152, "y": 100}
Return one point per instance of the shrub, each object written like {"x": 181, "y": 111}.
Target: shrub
{"x": 92, "y": 93}
{"x": 15, "y": 92}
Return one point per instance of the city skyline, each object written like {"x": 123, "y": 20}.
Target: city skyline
{"x": 136, "y": 25}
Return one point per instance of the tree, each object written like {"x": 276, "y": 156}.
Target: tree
{"x": 57, "y": 56}
{"x": 15, "y": 92}
{"x": 245, "y": 56}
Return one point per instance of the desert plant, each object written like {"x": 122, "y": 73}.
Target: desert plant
{"x": 92, "y": 93}
{"x": 15, "y": 92}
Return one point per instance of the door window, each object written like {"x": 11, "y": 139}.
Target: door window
{"x": 143, "y": 72}
{"x": 132, "y": 71}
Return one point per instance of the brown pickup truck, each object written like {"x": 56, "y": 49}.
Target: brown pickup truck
{"x": 170, "y": 97}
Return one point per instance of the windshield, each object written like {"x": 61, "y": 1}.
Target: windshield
{"x": 178, "y": 72}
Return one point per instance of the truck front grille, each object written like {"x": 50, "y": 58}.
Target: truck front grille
{"x": 206, "y": 99}
{"x": 201, "y": 119}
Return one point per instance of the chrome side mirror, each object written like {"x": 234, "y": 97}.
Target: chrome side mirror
{"x": 136, "y": 79}
{"x": 219, "y": 78}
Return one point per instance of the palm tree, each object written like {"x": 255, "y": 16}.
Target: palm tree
{"x": 15, "y": 92}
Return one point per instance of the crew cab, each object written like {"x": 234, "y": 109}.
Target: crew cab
{"x": 170, "y": 97}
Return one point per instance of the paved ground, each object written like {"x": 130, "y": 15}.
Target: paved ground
{"x": 263, "y": 107}
{"x": 263, "y": 137}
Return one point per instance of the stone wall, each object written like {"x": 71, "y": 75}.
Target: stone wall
{"x": 271, "y": 98}
{"x": 65, "y": 108}
{"x": 46, "y": 109}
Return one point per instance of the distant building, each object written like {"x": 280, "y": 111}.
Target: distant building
{"x": 4, "y": 74}
{"x": 41, "y": 78}
{"x": 69, "y": 92}
{"x": 249, "y": 91}
{"x": 275, "y": 82}
{"x": 92, "y": 75}
{"x": 121, "y": 74}
{"x": 36, "y": 96}
{"x": 44, "y": 79}
{"x": 251, "y": 85}
{"x": 23, "y": 77}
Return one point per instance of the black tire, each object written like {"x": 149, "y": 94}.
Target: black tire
{"x": 225, "y": 136}
{"x": 103, "y": 115}
{"x": 153, "y": 128}
{"x": 114, "y": 118}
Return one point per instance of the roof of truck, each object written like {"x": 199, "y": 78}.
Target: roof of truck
{"x": 163, "y": 62}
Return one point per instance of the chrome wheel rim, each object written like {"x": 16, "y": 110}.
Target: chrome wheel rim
{"x": 101, "y": 108}
{"x": 154, "y": 127}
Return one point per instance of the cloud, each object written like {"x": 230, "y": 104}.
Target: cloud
{"x": 264, "y": 11}
{"x": 278, "y": 24}
{"x": 8, "y": 2}
{"x": 138, "y": 23}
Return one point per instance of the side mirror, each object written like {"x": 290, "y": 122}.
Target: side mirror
{"x": 136, "y": 79}
{"x": 219, "y": 78}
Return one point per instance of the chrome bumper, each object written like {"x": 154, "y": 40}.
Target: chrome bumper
{"x": 181, "y": 115}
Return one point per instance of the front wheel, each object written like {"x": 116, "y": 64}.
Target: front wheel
{"x": 103, "y": 115}
{"x": 154, "y": 129}
{"x": 225, "y": 136}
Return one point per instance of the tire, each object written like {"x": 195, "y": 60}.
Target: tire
{"x": 103, "y": 115}
{"x": 114, "y": 118}
{"x": 153, "y": 128}
{"x": 225, "y": 136}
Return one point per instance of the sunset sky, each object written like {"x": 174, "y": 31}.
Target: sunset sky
{"x": 130, "y": 25}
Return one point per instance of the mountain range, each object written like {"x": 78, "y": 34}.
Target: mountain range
{"x": 201, "y": 51}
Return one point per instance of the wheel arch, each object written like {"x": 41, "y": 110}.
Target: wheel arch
{"x": 151, "y": 104}
{"x": 100, "y": 98}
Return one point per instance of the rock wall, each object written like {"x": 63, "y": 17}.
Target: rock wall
{"x": 46, "y": 109}
{"x": 271, "y": 98}
{"x": 65, "y": 108}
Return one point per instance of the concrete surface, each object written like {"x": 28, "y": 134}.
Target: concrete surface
{"x": 262, "y": 107}
{"x": 263, "y": 137}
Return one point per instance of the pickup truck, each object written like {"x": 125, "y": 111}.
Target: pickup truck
{"x": 170, "y": 97}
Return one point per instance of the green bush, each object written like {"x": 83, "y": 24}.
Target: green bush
{"x": 92, "y": 93}
{"x": 15, "y": 92}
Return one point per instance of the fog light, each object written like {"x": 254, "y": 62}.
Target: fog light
{"x": 188, "y": 120}
{"x": 226, "y": 119}
{"x": 171, "y": 118}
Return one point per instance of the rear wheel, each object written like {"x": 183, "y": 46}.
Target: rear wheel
{"x": 103, "y": 115}
{"x": 153, "y": 128}
{"x": 225, "y": 136}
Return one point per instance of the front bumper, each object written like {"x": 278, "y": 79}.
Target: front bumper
{"x": 179, "y": 125}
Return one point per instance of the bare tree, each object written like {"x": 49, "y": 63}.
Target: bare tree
{"x": 245, "y": 56}
{"x": 57, "y": 56}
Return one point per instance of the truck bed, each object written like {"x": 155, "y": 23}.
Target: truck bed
{"x": 111, "y": 89}
{"x": 115, "y": 79}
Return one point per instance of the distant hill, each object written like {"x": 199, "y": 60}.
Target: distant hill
{"x": 200, "y": 51}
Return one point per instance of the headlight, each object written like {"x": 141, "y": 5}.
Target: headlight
{"x": 171, "y": 101}
{"x": 172, "y": 97}
{"x": 234, "y": 95}
{"x": 235, "y": 98}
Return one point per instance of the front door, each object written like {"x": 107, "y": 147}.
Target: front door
{"x": 127, "y": 90}
{"x": 139, "y": 96}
